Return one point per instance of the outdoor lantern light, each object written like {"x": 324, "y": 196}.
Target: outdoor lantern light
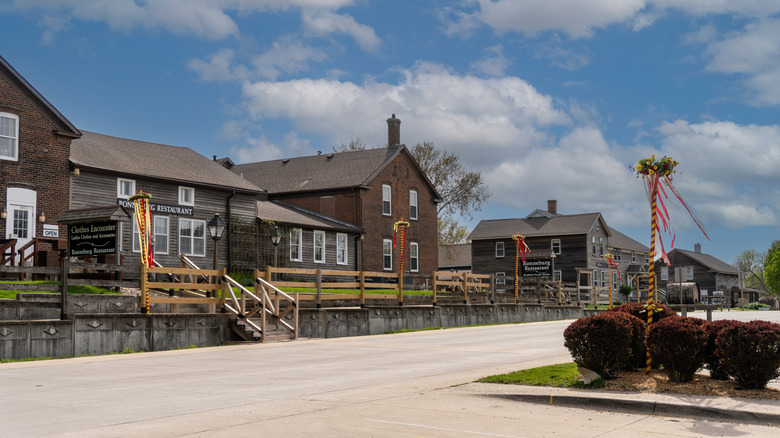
{"x": 42, "y": 217}
{"x": 276, "y": 236}
{"x": 216, "y": 227}
{"x": 3, "y": 214}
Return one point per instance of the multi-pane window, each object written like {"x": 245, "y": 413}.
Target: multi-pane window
{"x": 125, "y": 188}
{"x": 633, "y": 257}
{"x": 161, "y": 226}
{"x": 689, "y": 272}
{"x": 341, "y": 249}
{"x": 186, "y": 196}
{"x": 614, "y": 280}
{"x": 500, "y": 278}
{"x": 617, "y": 255}
{"x": 387, "y": 254}
{"x": 192, "y": 237}
{"x": 595, "y": 277}
{"x": 21, "y": 227}
{"x": 386, "y": 200}
{"x": 319, "y": 246}
{"x": 296, "y": 241}
{"x": 555, "y": 245}
{"x": 499, "y": 249}
{"x": 593, "y": 245}
{"x": 413, "y": 204}
{"x": 664, "y": 273}
{"x": 557, "y": 276}
{"x": 601, "y": 246}
{"x": 9, "y": 136}
{"x": 414, "y": 257}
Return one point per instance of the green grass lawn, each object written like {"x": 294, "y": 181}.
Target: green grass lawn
{"x": 563, "y": 375}
{"x": 89, "y": 290}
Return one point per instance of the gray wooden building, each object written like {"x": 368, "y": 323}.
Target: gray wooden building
{"x": 715, "y": 278}
{"x": 187, "y": 191}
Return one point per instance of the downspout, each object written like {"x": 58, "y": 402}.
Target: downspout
{"x": 229, "y": 240}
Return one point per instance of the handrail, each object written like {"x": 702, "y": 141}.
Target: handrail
{"x": 22, "y": 258}
{"x": 11, "y": 244}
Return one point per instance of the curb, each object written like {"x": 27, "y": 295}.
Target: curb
{"x": 647, "y": 408}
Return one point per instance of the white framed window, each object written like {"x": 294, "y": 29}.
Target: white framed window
{"x": 500, "y": 249}
{"x": 387, "y": 254}
{"x": 319, "y": 246}
{"x": 633, "y": 257}
{"x": 413, "y": 204}
{"x": 125, "y": 188}
{"x": 186, "y": 195}
{"x": 192, "y": 237}
{"x": 617, "y": 255}
{"x": 161, "y": 234}
{"x": 414, "y": 257}
{"x": 689, "y": 272}
{"x": 615, "y": 281}
{"x": 603, "y": 278}
{"x": 555, "y": 245}
{"x": 647, "y": 259}
{"x": 296, "y": 243}
{"x": 341, "y": 249}
{"x": 136, "y": 235}
{"x": 500, "y": 278}
{"x": 593, "y": 245}
{"x": 9, "y": 137}
{"x": 387, "y": 194}
{"x": 601, "y": 246}
{"x": 557, "y": 276}
{"x": 595, "y": 277}
{"x": 664, "y": 273}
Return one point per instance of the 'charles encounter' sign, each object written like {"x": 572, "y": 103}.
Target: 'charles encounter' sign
{"x": 89, "y": 239}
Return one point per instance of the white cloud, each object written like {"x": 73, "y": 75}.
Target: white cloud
{"x": 494, "y": 63}
{"x": 218, "y": 67}
{"x": 287, "y": 55}
{"x": 471, "y": 115}
{"x": 322, "y": 23}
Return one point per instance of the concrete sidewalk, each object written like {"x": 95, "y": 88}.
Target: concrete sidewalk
{"x": 735, "y": 409}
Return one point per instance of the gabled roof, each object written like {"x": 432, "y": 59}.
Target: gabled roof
{"x": 335, "y": 170}
{"x": 102, "y": 213}
{"x": 455, "y": 256}
{"x": 707, "y": 260}
{"x": 63, "y": 125}
{"x": 289, "y": 214}
{"x": 152, "y": 160}
{"x": 559, "y": 225}
{"x": 621, "y": 241}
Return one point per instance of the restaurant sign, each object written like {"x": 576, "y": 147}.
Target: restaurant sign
{"x": 160, "y": 208}
{"x": 537, "y": 268}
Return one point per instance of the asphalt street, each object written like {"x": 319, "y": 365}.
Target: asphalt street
{"x": 402, "y": 385}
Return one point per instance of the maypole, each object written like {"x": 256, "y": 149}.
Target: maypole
{"x": 520, "y": 249}
{"x": 611, "y": 263}
{"x": 143, "y": 220}
{"x": 656, "y": 175}
{"x": 403, "y": 226}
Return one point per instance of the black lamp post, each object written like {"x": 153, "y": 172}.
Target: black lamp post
{"x": 276, "y": 237}
{"x": 216, "y": 228}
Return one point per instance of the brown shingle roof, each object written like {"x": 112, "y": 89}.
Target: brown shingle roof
{"x": 153, "y": 160}
{"x": 455, "y": 256}
{"x": 621, "y": 241}
{"x": 281, "y": 212}
{"x": 709, "y": 261}
{"x": 317, "y": 172}
{"x": 536, "y": 226}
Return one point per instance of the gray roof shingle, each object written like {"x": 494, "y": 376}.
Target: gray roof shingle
{"x": 709, "y": 261}
{"x": 153, "y": 160}
{"x": 621, "y": 241}
{"x": 536, "y": 226}
{"x": 289, "y": 214}
{"x": 455, "y": 256}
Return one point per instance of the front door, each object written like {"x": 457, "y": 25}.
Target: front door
{"x": 20, "y": 223}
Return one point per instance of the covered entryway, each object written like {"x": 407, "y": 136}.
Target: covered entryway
{"x": 20, "y": 221}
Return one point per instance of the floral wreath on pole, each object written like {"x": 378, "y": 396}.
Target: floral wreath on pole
{"x": 656, "y": 175}
{"x": 143, "y": 220}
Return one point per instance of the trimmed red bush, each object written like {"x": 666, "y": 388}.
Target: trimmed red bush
{"x": 638, "y": 354}
{"x": 712, "y": 360}
{"x": 677, "y": 343}
{"x": 640, "y": 311}
{"x": 600, "y": 343}
{"x": 751, "y": 352}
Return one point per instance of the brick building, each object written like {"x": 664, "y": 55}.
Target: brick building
{"x": 371, "y": 189}
{"x": 35, "y": 143}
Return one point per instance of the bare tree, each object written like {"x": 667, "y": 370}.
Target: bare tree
{"x": 355, "y": 144}
{"x": 450, "y": 231}
{"x": 462, "y": 191}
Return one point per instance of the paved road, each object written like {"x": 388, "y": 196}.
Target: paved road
{"x": 404, "y": 385}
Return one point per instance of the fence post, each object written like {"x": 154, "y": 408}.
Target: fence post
{"x": 64, "y": 285}
{"x": 144, "y": 289}
{"x": 264, "y": 303}
{"x": 435, "y": 285}
{"x": 319, "y": 288}
{"x": 295, "y": 315}
{"x": 492, "y": 289}
{"x": 362, "y": 289}
{"x": 465, "y": 288}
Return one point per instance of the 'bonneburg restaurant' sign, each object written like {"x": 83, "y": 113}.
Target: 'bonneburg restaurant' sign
{"x": 178, "y": 210}
{"x": 88, "y": 239}
{"x": 537, "y": 268}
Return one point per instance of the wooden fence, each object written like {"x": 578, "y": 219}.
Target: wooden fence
{"x": 464, "y": 282}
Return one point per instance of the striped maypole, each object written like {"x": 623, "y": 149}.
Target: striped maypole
{"x": 651, "y": 287}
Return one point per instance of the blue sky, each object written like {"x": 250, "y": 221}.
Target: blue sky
{"x": 549, "y": 99}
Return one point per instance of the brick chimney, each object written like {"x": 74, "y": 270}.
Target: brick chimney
{"x": 393, "y": 131}
{"x": 552, "y": 206}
